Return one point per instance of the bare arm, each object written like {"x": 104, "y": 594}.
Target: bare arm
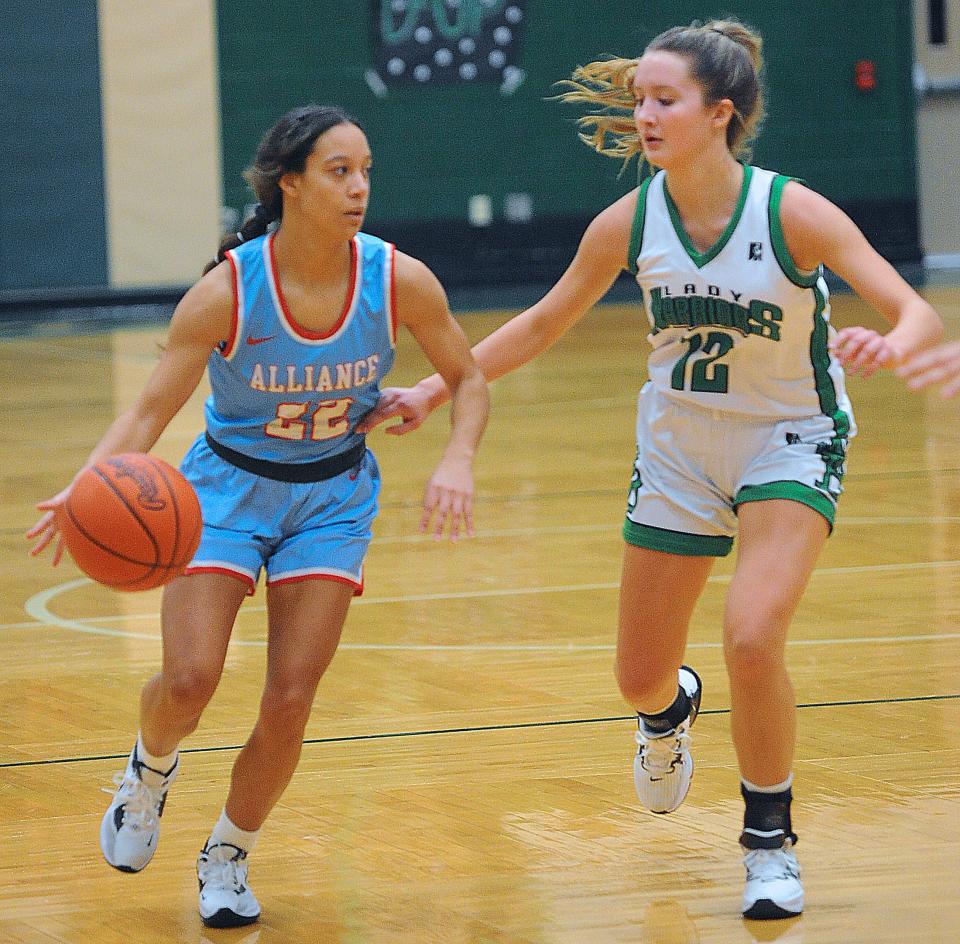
{"x": 422, "y": 307}
{"x": 199, "y": 322}
{"x": 818, "y": 231}
{"x": 599, "y": 260}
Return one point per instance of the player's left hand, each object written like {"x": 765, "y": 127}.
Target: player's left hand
{"x": 448, "y": 502}
{"x": 864, "y": 351}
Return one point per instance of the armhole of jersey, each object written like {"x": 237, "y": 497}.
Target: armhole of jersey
{"x": 230, "y": 344}
{"x": 636, "y": 231}
{"x": 789, "y": 267}
{"x": 390, "y": 290}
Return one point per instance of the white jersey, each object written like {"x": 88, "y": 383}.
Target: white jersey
{"x": 739, "y": 328}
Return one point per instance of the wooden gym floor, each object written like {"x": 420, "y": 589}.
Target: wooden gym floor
{"x": 467, "y": 771}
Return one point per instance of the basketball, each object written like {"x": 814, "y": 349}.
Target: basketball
{"x": 131, "y": 522}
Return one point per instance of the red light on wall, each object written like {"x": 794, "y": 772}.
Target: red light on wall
{"x": 865, "y": 75}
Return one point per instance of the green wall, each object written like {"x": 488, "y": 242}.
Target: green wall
{"x": 52, "y": 221}
{"x": 435, "y": 146}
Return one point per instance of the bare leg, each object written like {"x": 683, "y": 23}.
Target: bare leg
{"x": 306, "y": 620}
{"x": 658, "y": 592}
{"x": 197, "y": 615}
{"x": 779, "y": 543}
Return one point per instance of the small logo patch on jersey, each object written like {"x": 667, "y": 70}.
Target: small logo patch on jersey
{"x": 252, "y": 340}
{"x": 756, "y": 251}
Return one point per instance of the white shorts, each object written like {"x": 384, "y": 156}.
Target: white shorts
{"x": 695, "y": 467}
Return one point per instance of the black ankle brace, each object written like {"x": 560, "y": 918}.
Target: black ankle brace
{"x": 674, "y": 716}
{"x": 766, "y": 819}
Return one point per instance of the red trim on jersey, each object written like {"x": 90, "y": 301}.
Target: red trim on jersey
{"x": 231, "y": 342}
{"x": 393, "y": 293}
{"x": 243, "y": 578}
{"x": 299, "y": 329}
{"x": 357, "y": 587}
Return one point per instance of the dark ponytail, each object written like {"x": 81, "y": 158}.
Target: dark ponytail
{"x": 284, "y": 149}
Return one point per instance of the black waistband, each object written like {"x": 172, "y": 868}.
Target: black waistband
{"x": 317, "y": 471}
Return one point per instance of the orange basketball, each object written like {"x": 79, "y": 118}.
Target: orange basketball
{"x": 131, "y": 522}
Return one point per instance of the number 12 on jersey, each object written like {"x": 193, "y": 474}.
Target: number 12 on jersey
{"x": 706, "y": 375}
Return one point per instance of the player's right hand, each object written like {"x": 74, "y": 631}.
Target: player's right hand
{"x": 46, "y": 528}
{"x": 411, "y": 404}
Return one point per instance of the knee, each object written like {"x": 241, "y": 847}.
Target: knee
{"x": 285, "y": 708}
{"x": 191, "y": 687}
{"x": 753, "y": 646}
{"x": 640, "y": 686}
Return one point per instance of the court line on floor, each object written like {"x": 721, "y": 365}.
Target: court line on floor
{"x": 480, "y": 728}
{"x": 37, "y": 607}
{"x": 612, "y": 528}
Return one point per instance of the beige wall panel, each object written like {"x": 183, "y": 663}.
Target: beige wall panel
{"x": 938, "y": 131}
{"x": 161, "y": 120}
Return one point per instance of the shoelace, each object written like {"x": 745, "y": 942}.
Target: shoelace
{"x": 768, "y": 865}
{"x": 140, "y": 802}
{"x": 228, "y": 873}
{"x": 661, "y": 755}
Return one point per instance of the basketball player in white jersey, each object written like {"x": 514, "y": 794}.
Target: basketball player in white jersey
{"x": 744, "y": 423}
{"x": 296, "y": 323}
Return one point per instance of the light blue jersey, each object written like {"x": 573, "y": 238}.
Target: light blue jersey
{"x": 284, "y": 480}
{"x": 284, "y": 393}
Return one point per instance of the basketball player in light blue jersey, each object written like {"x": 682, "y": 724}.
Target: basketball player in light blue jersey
{"x": 297, "y": 328}
{"x": 743, "y": 426}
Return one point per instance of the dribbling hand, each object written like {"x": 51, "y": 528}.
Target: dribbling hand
{"x": 46, "y": 529}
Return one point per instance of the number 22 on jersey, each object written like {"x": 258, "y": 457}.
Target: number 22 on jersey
{"x": 327, "y": 421}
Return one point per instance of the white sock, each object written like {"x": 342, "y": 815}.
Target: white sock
{"x": 226, "y": 831}
{"x": 160, "y": 764}
{"x": 776, "y": 788}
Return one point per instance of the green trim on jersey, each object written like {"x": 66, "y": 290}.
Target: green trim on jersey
{"x": 701, "y": 259}
{"x": 676, "y": 542}
{"x": 636, "y": 230}
{"x": 780, "y": 250}
{"x": 820, "y": 358}
{"x": 792, "y": 491}
{"x": 819, "y": 337}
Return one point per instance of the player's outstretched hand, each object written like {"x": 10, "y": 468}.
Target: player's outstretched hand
{"x": 411, "y": 404}
{"x": 939, "y": 365}
{"x": 46, "y": 530}
{"x": 448, "y": 501}
{"x": 863, "y": 351}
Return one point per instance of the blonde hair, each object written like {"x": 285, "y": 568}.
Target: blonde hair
{"x": 725, "y": 61}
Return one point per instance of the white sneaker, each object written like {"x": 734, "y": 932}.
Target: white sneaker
{"x": 663, "y": 767}
{"x": 225, "y": 899}
{"x": 130, "y": 829}
{"x": 773, "y": 887}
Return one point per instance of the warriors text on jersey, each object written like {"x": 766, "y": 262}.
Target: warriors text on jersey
{"x": 737, "y": 328}
{"x": 286, "y": 394}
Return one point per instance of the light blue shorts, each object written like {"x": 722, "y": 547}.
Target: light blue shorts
{"x": 296, "y": 530}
